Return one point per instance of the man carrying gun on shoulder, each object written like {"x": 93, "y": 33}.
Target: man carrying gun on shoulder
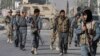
{"x": 87, "y": 33}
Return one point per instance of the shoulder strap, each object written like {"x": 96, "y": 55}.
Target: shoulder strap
{"x": 34, "y": 21}
{"x": 93, "y": 24}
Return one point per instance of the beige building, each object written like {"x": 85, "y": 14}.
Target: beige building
{"x": 24, "y": 1}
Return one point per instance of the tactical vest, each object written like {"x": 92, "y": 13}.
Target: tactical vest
{"x": 63, "y": 25}
{"x": 84, "y": 38}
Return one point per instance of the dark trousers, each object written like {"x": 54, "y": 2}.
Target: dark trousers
{"x": 22, "y": 38}
{"x": 16, "y": 37}
{"x": 63, "y": 42}
{"x": 70, "y": 36}
{"x": 36, "y": 38}
{"x": 94, "y": 46}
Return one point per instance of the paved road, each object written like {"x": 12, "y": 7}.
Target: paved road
{"x": 10, "y": 50}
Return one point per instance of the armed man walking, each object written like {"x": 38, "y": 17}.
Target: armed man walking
{"x": 8, "y": 20}
{"x": 87, "y": 33}
{"x": 36, "y": 25}
{"x": 62, "y": 26}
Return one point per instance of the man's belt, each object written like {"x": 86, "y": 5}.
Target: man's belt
{"x": 22, "y": 26}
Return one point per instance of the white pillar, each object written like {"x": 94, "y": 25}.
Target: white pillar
{"x": 0, "y": 3}
{"x": 89, "y": 2}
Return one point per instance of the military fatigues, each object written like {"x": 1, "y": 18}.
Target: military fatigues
{"x": 8, "y": 20}
{"x": 54, "y": 36}
{"x": 22, "y": 24}
{"x": 62, "y": 26}
{"x": 84, "y": 39}
{"x": 36, "y": 25}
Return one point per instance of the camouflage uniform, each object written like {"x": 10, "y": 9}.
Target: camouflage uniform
{"x": 8, "y": 20}
{"x": 62, "y": 27}
{"x": 84, "y": 40}
{"x": 54, "y": 36}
